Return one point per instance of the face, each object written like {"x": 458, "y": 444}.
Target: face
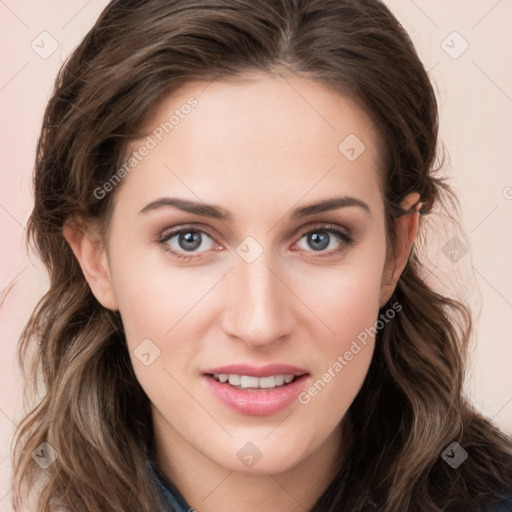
{"x": 223, "y": 268}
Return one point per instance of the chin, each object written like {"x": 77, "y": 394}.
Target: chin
{"x": 260, "y": 458}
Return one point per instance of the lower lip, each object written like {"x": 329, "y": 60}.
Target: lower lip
{"x": 256, "y": 402}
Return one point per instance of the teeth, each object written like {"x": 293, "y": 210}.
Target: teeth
{"x": 235, "y": 380}
{"x": 247, "y": 381}
{"x": 266, "y": 382}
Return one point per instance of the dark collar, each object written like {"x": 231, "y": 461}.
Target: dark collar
{"x": 169, "y": 493}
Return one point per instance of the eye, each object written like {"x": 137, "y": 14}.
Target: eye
{"x": 188, "y": 242}
{"x": 326, "y": 237}
{"x": 185, "y": 240}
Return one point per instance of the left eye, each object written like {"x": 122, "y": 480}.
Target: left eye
{"x": 320, "y": 239}
{"x": 185, "y": 243}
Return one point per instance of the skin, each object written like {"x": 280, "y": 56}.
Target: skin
{"x": 256, "y": 148}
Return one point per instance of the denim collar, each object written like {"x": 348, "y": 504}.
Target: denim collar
{"x": 175, "y": 502}
{"x": 171, "y": 497}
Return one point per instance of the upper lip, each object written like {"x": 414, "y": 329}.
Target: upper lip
{"x": 254, "y": 371}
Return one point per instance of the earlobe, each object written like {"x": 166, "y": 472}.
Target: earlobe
{"x": 91, "y": 255}
{"x": 406, "y": 229}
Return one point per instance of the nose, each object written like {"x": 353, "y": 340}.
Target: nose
{"x": 259, "y": 305}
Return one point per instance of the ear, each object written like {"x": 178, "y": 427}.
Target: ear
{"x": 89, "y": 250}
{"x": 406, "y": 229}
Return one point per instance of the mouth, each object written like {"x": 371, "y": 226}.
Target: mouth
{"x": 256, "y": 392}
{"x": 252, "y": 383}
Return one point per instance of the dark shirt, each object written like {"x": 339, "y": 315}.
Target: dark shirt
{"x": 505, "y": 505}
{"x": 173, "y": 498}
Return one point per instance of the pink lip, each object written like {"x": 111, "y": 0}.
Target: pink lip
{"x": 256, "y": 402}
{"x": 252, "y": 371}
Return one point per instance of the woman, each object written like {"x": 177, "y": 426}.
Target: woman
{"x": 227, "y": 194}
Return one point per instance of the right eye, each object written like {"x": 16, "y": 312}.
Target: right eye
{"x": 183, "y": 240}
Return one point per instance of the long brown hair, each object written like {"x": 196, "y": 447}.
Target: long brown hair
{"x": 90, "y": 408}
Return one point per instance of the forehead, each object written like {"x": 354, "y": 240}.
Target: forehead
{"x": 258, "y": 136}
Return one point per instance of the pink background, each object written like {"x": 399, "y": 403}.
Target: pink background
{"x": 475, "y": 93}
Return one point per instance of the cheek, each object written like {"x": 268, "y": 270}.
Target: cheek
{"x": 346, "y": 296}
{"x": 346, "y": 300}
{"x": 158, "y": 305}
{"x": 150, "y": 297}
{"x": 151, "y": 308}
{"x": 344, "y": 357}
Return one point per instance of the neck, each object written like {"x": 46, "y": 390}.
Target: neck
{"x": 209, "y": 487}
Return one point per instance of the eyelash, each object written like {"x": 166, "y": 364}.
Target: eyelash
{"x": 346, "y": 240}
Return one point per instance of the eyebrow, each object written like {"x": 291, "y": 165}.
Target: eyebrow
{"x": 216, "y": 212}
